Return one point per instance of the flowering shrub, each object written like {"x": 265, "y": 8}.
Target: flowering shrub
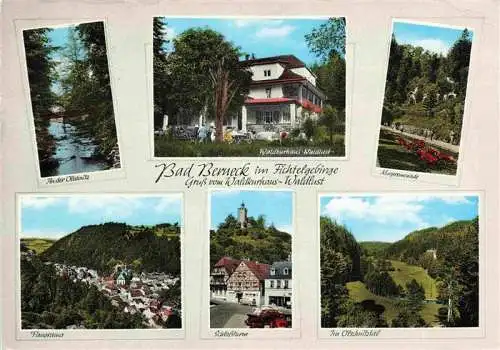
{"x": 427, "y": 154}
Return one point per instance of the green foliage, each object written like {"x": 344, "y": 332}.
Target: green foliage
{"x": 381, "y": 283}
{"x": 374, "y": 248}
{"x": 50, "y": 301}
{"x": 309, "y": 128}
{"x": 429, "y": 77}
{"x": 258, "y": 242}
{"x": 340, "y": 263}
{"x": 41, "y": 75}
{"x": 103, "y": 246}
{"x": 167, "y": 147}
{"x": 329, "y": 38}
{"x": 183, "y": 77}
{"x": 332, "y": 120}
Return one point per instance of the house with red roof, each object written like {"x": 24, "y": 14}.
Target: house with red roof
{"x": 246, "y": 283}
{"x": 282, "y": 94}
{"x": 219, "y": 276}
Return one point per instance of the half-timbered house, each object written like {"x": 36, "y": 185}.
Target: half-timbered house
{"x": 246, "y": 283}
{"x": 219, "y": 276}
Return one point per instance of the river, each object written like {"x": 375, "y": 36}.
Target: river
{"x": 73, "y": 152}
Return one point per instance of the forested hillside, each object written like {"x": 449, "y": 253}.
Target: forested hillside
{"x": 383, "y": 284}
{"x": 258, "y": 242}
{"x": 426, "y": 90}
{"x": 103, "y": 246}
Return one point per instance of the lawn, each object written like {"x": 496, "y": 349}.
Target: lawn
{"x": 38, "y": 245}
{"x": 404, "y": 273}
{"x": 391, "y": 155}
{"x": 168, "y": 147}
{"x": 359, "y": 293}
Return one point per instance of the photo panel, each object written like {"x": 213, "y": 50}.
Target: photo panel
{"x": 237, "y": 87}
{"x": 100, "y": 266}
{"x": 401, "y": 265}
{"x": 425, "y": 101}
{"x": 251, "y": 285}
{"x": 68, "y": 86}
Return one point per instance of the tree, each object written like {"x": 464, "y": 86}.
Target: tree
{"x": 308, "y": 128}
{"x": 430, "y": 100}
{"x": 225, "y": 84}
{"x": 162, "y": 88}
{"x": 331, "y": 79}
{"x": 415, "y": 293}
{"x": 331, "y": 119}
{"x": 204, "y": 70}
{"x": 99, "y": 101}
{"x": 459, "y": 59}
{"x": 328, "y": 38}
{"x": 41, "y": 75}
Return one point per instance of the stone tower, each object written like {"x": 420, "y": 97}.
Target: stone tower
{"x": 242, "y": 215}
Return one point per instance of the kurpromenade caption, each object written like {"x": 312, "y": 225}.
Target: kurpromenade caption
{"x": 247, "y": 174}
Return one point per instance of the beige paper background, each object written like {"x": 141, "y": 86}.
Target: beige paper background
{"x": 369, "y": 23}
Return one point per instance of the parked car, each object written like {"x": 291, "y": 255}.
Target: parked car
{"x": 268, "y": 318}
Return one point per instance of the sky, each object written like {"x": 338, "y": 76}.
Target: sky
{"x": 56, "y": 216}
{"x": 276, "y": 206}
{"x": 433, "y": 38}
{"x": 390, "y": 217}
{"x": 264, "y": 37}
{"x": 59, "y": 37}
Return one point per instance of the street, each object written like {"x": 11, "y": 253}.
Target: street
{"x": 229, "y": 315}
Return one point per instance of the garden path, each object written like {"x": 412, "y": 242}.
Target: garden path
{"x": 444, "y": 145}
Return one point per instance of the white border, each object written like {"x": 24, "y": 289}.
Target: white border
{"x": 349, "y": 87}
{"x": 105, "y": 334}
{"x": 113, "y": 173}
{"x": 253, "y": 333}
{"x": 414, "y": 334}
{"x": 445, "y": 179}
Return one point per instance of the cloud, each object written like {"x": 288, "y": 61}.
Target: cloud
{"x": 274, "y": 32}
{"x": 39, "y": 202}
{"x": 397, "y": 210}
{"x": 169, "y": 203}
{"x": 455, "y": 200}
{"x": 47, "y": 233}
{"x": 432, "y": 45}
{"x": 110, "y": 207}
{"x": 285, "y": 228}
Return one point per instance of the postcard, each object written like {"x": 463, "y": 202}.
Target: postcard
{"x": 249, "y": 87}
{"x": 425, "y": 97}
{"x": 108, "y": 262}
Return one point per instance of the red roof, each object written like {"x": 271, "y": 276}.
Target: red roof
{"x": 290, "y": 61}
{"x": 228, "y": 263}
{"x": 261, "y": 271}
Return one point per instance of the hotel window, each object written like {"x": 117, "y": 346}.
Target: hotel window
{"x": 268, "y": 117}
{"x": 267, "y": 73}
{"x": 271, "y": 283}
{"x": 285, "y": 271}
{"x": 286, "y": 116}
{"x": 268, "y": 92}
{"x": 286, "y": 284}
{"x": 276, "y": 117}
{"x": 273, "y": 272}
{"x": 258, "y": 117}
{"x": 278, "y": 284}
